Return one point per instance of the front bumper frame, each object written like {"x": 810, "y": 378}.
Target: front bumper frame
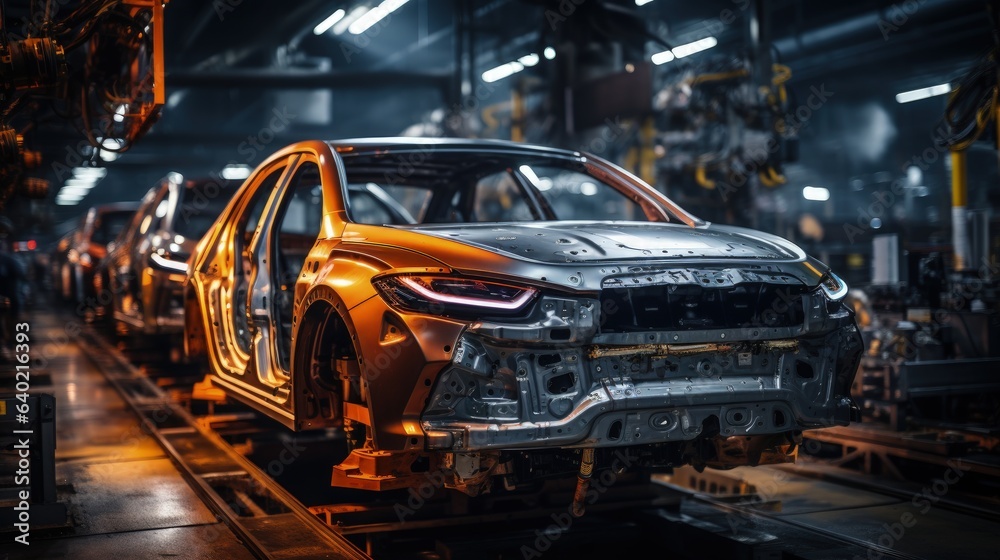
{"x": 556, "y": 382}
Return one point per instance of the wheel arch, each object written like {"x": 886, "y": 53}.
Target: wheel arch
{"x": 322, "y": 319}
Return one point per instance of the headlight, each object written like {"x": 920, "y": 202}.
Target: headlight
{"x": 834, "y": 287}
{"x": 441, "y": 294}
{"x": 167, "y": 264}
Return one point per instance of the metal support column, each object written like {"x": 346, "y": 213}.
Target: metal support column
{"x": 959, "y": 200}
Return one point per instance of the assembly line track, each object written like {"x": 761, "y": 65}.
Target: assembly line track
{"x": 271, "y": 522}
{"x": 227, "y": 481}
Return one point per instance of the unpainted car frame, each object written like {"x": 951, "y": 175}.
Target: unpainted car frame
{"x": 142, "y": 278}
{"x": 512, "y": 349}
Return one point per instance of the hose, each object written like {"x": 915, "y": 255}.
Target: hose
{"x": 583, "y": 482}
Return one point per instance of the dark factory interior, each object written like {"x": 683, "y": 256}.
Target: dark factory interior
{"x": 498, "y": 279}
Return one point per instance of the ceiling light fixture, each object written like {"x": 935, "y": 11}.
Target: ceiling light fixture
{"x": 511, "y": 68}
{"x": 235, "y": 172}
{"x": 375, "y": 15}
{"x": 73, "y": 191}
{"x": 819, "y": 194}
{"x": 686, "y": 49}
{"x": 697, "y": 46}
{"x": 98, "y": 172}
{"x": 922, "y": 93}
{"x": 342, "y": 25}
{"x": 325, "y": 25}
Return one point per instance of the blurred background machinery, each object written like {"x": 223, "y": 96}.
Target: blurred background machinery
{"x": 95, "y": 65}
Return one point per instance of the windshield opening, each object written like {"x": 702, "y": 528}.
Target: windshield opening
{"x": 454, "y": 187}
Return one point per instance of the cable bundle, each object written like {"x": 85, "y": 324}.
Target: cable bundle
{"x": 973, "y": 103}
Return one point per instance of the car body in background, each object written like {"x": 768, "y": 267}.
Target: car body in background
{"x": 77, "y": 254}
{"x": 490, "y": 310}
{"x": 142, "y": 278}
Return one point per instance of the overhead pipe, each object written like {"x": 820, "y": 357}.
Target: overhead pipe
{"x": 869, "y": 23}
{"x": 303, "y": 79}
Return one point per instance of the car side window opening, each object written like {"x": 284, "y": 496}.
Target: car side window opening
{"x": 196, "y": 211}
{"x": 108, "y": 226}
{"x": 242, "y": 269}
{"x": 367, "y": 209}
{"x": 298, "y": 224}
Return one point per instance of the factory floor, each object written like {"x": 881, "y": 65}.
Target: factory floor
{"x": 124, "y": 497}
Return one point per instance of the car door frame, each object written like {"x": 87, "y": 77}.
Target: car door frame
{"x": 235, "y": 365}
{"x": 234, "y": 376}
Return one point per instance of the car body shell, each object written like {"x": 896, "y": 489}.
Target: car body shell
{"x": 554, "y": 377}
{"x": 145, "y": 271}
{"x": 78, "y": 253}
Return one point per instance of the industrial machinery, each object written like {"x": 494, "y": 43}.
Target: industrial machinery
{"x": 97, "y": 63}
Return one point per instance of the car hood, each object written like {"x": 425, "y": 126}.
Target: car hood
{"x": 624, "y": 242}
{"x": 580, "y": 255}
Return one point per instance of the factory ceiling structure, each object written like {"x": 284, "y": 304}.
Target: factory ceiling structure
{"x": 243, "y": 56}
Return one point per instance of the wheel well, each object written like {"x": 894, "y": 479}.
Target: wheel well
{"x": 322, "y": 332}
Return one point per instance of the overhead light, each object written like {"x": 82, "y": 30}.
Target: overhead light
{"x": 73, "y": 191}
{"x": 697, "y": 46}
{"x": 353, "y": 16}
{"x": 923, "y": 93}
{"x": 662, "y": 57}
{"x": 816, "y": 193}
{"x": 513, "y": 67}
{"x": 235, "y": 172}
{"x": 529, "y": 59}
{"x": 67, "y": 202}
{"x": 502, "y": 71}
{"x": 111, "y": 144}
{"x": 70, "y": 196}
{"x": 98, "y": 172}
{"x": 686, "y": 49}
{"x": 549, "y": 53}
{"x": 120, "y": 113}
{"x": 375, "y": 15}
{"x": 325, "y": 25}
{"x": 642, "y": 2}
{"x": 84, "y": 183}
